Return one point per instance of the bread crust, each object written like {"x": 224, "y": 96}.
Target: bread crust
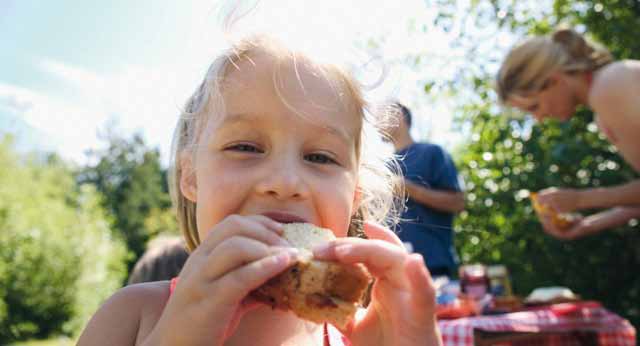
{"x": 314, "y": 290}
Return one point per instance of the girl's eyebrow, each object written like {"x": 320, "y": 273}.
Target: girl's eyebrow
{"x": 235, "y": 118}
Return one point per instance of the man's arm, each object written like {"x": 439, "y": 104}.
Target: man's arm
{"x": 443, "y": 200}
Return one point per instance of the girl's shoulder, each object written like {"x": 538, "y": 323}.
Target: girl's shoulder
{"x": 150, "y": 299}
{"x": 128, "y": 316}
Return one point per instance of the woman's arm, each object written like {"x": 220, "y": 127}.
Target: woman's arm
{"x": 606, "y": 197}
{"x": 568, "y": 200}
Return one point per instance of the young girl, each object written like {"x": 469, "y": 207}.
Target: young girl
{"x": 550, "y": 76}
{"x": 271, "y": 137}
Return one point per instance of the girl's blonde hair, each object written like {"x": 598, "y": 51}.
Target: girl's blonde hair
{"x": 529, "y": 64}
{"x": 378, "y": 184}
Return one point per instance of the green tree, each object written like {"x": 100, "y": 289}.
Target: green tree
{"x": 130, "y": 177}
{"x": 507, "y": 156}
{"x": 58, "y": 257}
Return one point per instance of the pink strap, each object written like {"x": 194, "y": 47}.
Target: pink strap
{"x": 172, "y": 285}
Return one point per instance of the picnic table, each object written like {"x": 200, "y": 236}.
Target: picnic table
{"x": 579, "y": 323}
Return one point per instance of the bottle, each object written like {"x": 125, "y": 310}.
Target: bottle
{"x": 499, "y": 283}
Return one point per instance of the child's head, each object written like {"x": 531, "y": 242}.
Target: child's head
{"x": 532, "y": 67}
{"x": 163, "y": 260}
{"x": 271, "y": 132}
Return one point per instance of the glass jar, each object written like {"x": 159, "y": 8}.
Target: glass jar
{"x": 474, "y": 281}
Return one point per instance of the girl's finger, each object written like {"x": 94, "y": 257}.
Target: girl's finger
{"x": 375, "y": 231}
{"x": 383, "y": 259}
{"x": 235, "y": 252}
{"x": 237, "y": 284}
{"x": 258, "y": 227}
{"x": 423, "y": 295}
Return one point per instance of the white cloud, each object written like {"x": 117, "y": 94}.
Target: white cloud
{"x": 64, "y": 127}
{"x": 143, "y": 99}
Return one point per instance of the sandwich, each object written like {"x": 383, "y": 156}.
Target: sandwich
{"x": 314, "y": 290}
{"x": 561, "y": 220}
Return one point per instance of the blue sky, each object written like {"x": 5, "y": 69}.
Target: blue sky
{"x": 71, "y": 67}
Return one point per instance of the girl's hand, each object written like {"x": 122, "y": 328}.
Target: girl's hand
{"x": 402, "y": 308}
{"x": 238, "y": 255}
{"x": 560, "y": 200}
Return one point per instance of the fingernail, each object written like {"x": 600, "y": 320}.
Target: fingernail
{"x": 321, "y": 250}
{"x": 282, "y": 258}
{"x": 344, "y": 249}
{"x": 277, "y": 226}
{"x": 285, "y": 250}
{"x": 293, "y": 252}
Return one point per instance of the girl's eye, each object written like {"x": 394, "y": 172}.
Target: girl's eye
{"x": 248, "y": 148}
{"x": 320, "y": 158}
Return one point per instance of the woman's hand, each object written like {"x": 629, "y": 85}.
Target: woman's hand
{"x": 402, "y": 308}
{"x": 592, "y": 224}
{"x": 579, "y": 228}
{"x": 238, "y": 255}
{"x": 560, "y": 200}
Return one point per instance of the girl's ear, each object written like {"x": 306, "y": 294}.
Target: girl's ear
{"x": 188, "y": 182}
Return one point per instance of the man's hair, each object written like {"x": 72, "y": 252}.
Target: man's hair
{"x": 406, "y": 113}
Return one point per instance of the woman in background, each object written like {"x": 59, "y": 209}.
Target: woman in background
{"x": 549, "y": 77}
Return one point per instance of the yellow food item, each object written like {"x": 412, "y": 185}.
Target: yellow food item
{"x": 561, "y": 220}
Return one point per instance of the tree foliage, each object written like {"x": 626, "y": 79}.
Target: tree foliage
{"x": 507, "y": 156}
{"x": 130, "y": 177}
{"x": 58, "y": 258}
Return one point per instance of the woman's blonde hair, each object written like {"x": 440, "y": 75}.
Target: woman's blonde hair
{"x": 378, "y": 184}
{"x": 529, "y": 64}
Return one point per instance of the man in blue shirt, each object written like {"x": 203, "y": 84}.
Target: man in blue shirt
{"x": 435, "y": 196}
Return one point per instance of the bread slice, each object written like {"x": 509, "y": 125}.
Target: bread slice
{"x": 317, "y": 291}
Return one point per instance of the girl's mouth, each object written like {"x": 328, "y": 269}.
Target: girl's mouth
{"x": 284, "y": 217}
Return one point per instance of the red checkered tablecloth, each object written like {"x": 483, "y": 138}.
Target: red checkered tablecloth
{"x": 609, "y": 328}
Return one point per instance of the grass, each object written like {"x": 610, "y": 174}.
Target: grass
{"x": 61, "y": 341}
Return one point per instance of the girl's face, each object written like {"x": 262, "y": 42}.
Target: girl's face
{"x": 289, "y": 154}
{"x": 555, "y": 100}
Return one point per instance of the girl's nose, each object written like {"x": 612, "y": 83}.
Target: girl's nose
{"x": 284, "y": 181}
